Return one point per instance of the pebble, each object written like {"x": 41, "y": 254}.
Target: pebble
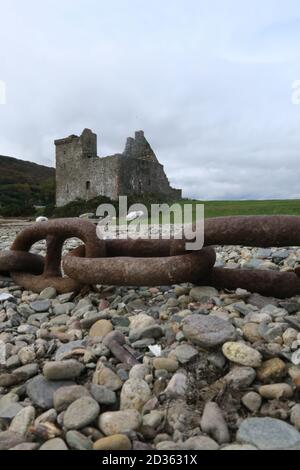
{"x": 271, "y": 370}
{"x": 114, "y": 442}
{"x": 139, "y": 371}
{"x": 78, "y": 441}
{"x": 81, "y": 413}
{"x": 40, "y": 306}
{"x": 242, "y": 354}
{"x": 208, "y": 331}
{"x": 101, "y": 328}
{"x": 64, "y": 396}
{"x": 41, "y": 391}
{"x": 240, "y": 377}
{"x": 23, "y": 420}
{"x": 269, "y": 434}
{"x": 48, "y": 293}
{"x": 276, "y": 391}
{"x": 295, "y": 416}
{"x": 252, "y": 401}
{"x": 164, "y": 363}
{"x": 203, "y": 293}
{"x": 54, "y": 444}
{"x": 119, "y": 422}
{"x": 9, "y": 439}
{"x": 200, "y": 443}
{"x": 103, "y": 395}
{"x": 134, "y": 394}
{"x": 185, "y": 353}
{"x": 214, "y": 424}
{"x": 63, "y": 370}
{"x": 108, "y": 378}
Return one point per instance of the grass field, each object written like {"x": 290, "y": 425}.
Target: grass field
{"x": 272, "y": 207}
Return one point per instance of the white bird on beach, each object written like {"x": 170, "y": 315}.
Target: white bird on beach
{"x": 134, "y": 215}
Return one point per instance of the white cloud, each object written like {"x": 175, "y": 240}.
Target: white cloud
{"x": 209, "y": 82}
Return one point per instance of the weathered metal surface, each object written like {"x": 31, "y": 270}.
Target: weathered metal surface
{"x": 131, "y": 270}
{"x": 150, "y": 262}
{"x": 55, "y": 232}
{"x": 21, "y": 261}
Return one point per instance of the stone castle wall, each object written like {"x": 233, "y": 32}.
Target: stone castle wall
{"x": 81, "y": 174}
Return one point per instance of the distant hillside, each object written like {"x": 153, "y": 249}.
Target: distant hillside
{"x": 23, "y": 185}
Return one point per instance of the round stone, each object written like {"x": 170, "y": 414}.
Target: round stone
{"x": 115, "y": 442}
{"x": 271, "y": 370}
{"x": 78, "y": 441}
{"x": 62, "y": 370}
{"x": 185, "y": 353}
{"x": 81, "y": 413}
{"x": 40, "y": 306}
{"x": 242, "y": 354}
{"x": 269, "y": 434}
{"x": 164, "y": 363}
{"x": 251, "y": 332}
{"x": 208, "y": 331}
{"x": 134, "y": 394}
{"x": 101, "y": 328}
{"x": 200, "y": 443}
{"x": 119, "y": 422}
{"x": 103, "y": 395}
{"x": 23, "y": 420}
{"x": 252, "y": 401}
{"x": 203, "y": 293}
{"x": 64, "y": 396}
{"x": 295, "y": 416}
{"x": 240, "y": 377}
{"x": 108, "y": 378}
{"x": 54, "y": 444}
{"x": 48, "y": 293}
{"x": 276, "y": 391}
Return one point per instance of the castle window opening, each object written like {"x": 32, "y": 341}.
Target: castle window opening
{"x": 88, "y": 185}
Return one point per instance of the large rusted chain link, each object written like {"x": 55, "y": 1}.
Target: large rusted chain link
{"x": 154, "y": 262}
{"x": 55, "y": 232}
{"x": 131, "y": 270}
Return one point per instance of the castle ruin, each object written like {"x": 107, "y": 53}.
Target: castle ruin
{"x": 81, "y": 174}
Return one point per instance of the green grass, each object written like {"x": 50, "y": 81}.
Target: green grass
{"x": 271, "y": 207}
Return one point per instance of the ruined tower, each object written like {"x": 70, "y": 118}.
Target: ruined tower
{"x": 81, "y": 174}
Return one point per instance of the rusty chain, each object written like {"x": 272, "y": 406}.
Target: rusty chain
{"x": 150, "y": 262}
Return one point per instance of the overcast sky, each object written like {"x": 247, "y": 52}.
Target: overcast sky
{"x": 210, "y": 82}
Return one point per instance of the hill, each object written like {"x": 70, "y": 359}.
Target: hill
{"x": 23, "y": 185}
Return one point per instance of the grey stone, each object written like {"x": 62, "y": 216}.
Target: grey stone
{"x": 63, "y": 370}
{"x": 103, "y": 395}
{"x": 9, "y": 439}
{"x": 200, "y": 443}
{"x": 252, "y": 401}
{"x": 269, "y": 434}
{"x": 63, "y": 308}
{"x": 185, "y": 353}
{"x": 23, "y": 420}
{"x": 54, "y": 444}
{"x": 64, "y": 396}
{"x": 214, "y": 424}
{"x": 40, "y": 306}
{"x": 40, "y": 391}
{"x": 208, "y": 331}
{"x": 240, "y": 377}
{"x": 203, "y": 293}
{"x": 81, "y": 413}
{"x": 78, "y": 441}
{"x": 48, "y": 293}
{"x": 68, "y": 347}
{"x": 119, "y": 422}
